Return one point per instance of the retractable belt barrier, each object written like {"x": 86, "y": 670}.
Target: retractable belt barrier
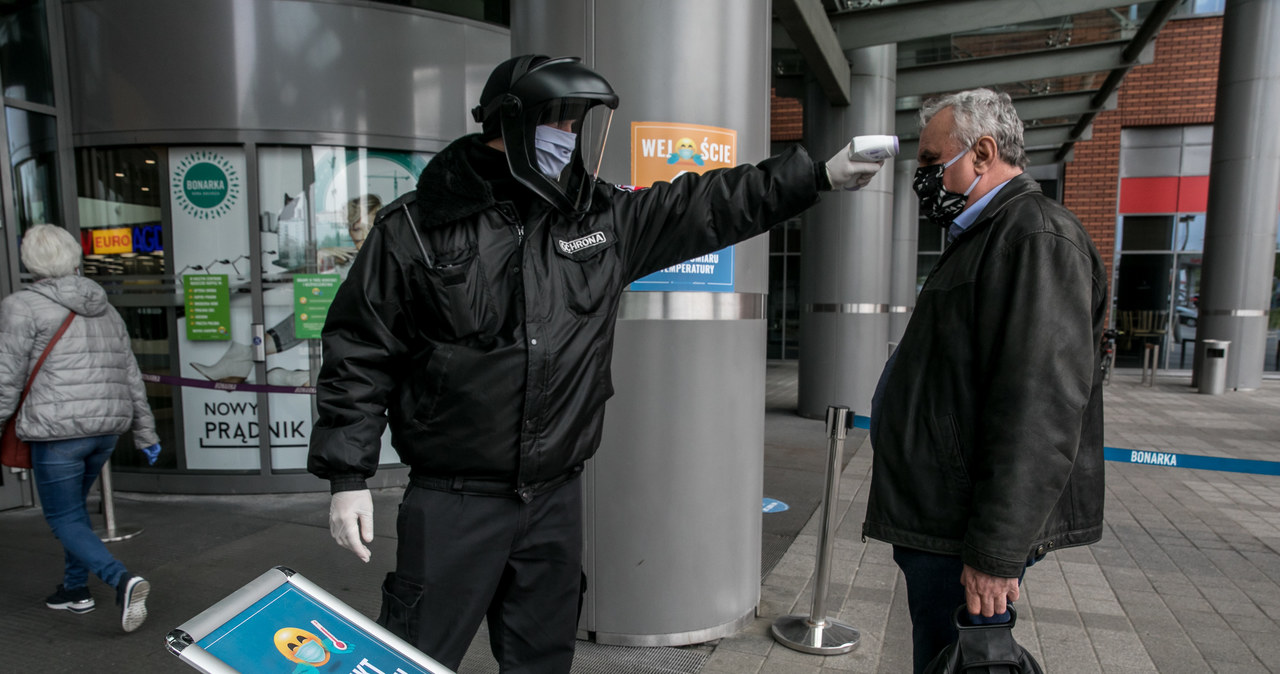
{"x": 1143, "y": 457}
{"x": 225, "y": 386}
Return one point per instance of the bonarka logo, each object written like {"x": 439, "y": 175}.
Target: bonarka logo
{"x": 205, "y": 185}
{"x": 592, "y": 239}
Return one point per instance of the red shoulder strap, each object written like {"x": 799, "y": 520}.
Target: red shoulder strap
{"x": 56, "y": 336}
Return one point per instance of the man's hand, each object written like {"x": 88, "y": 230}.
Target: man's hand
{"x": 847, "y": 174}
{"x": 987, "y": 595}
{"x": 351, "y": 520}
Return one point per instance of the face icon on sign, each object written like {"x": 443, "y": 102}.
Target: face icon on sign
{"x": 301, "y": 646}
{"x": 686, "y": 151}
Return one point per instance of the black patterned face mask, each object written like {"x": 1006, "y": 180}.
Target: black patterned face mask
{"x": 938, "y": 203}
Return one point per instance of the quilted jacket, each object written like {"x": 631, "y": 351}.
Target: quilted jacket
{"x": 90, "y": 384}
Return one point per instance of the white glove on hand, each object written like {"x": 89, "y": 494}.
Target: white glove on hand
{"x": 847, "y": 174}
{"x": 351, "y": 519}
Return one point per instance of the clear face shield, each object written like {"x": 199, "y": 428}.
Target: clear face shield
{"x": 560, "y": 150}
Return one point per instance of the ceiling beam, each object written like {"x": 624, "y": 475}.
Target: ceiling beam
{"x": 1041, "y": 157}
{"x": 806, "y": 23}
{"x": 1036, "y": 65}
{"x": 899, "y": 22}
{"x": 1141, "y": 43}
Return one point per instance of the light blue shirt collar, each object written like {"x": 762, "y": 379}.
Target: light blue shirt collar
{"x": 970, "y": 214}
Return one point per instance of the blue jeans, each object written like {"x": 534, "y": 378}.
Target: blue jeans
{"x": 65, "y": 470}
{"x": 933, "y": 594}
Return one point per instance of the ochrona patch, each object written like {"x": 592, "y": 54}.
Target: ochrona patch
{"x": 585, "y": 246}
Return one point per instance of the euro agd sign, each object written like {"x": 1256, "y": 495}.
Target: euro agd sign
{"x": 112, "y": 241}
{"x": 205, "y": 184}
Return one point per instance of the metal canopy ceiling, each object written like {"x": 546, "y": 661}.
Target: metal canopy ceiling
{"x": 1056, "y": 115}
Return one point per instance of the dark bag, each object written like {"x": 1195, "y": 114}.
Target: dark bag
{"x": 14, "y": 452}
{"x": 984, "y": 649}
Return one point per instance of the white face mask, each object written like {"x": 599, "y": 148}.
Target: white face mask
{"x": 554, "y": 149}
{"x": 311, "y": 652}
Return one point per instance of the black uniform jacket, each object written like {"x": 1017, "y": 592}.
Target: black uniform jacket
{"x": 484, "y": 338}
{"x": 988, "y": 441}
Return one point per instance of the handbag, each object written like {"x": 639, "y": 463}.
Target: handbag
{"x": 984, "y": 649}
{"x": 13, "y": 451}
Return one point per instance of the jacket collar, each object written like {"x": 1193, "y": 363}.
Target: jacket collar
{"x": 1017, "y": 186}
{"x": 449, "y": 188}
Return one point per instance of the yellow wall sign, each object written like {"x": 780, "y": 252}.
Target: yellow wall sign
{"x": 665, "y": 150}
{"x": 111, "y": 241}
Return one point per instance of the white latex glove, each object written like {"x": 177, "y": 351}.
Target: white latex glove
{"x": 847, "y": 174}
{"x": 351, "y": 519}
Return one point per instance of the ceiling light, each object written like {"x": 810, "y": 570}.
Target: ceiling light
{"x": 119, "y": 175}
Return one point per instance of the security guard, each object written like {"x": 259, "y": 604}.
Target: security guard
{"x": 478, "y": 321}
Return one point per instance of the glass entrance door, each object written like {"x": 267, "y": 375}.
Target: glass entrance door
{"x": 317, "y": 206}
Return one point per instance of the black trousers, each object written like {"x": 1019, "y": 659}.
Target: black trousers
{"x": 934, "y": 592}
{"x": 463, "y": 557}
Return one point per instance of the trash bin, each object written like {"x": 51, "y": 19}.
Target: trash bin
{"x": 1213, "y": 365}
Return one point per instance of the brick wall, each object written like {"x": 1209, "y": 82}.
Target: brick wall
{"x": 786, "y": 119}
{"x": 1178, "y": 88}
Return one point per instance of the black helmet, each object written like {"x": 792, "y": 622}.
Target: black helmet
{"x": 575, "y": 104}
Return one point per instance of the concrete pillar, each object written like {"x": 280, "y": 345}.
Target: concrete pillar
{"x": 1244, "y": 190}
{"x": 673, "y": 498}
{"x": 846, "y": 245}
{"x": 906, "y": 234}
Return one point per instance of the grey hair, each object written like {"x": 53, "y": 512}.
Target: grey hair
{"x": 982, "y": 112}
{"x": 50, "y": 252}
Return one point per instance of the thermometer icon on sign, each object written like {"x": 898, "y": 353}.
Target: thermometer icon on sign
{"x": 338, "y": 644}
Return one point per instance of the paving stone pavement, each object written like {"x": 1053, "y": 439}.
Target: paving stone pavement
{"x": 1185, "y": 580}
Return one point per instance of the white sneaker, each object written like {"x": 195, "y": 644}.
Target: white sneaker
{"x": 131, "y": 595}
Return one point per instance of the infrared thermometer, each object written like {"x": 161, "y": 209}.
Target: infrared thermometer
{"x": 873, "y": 148}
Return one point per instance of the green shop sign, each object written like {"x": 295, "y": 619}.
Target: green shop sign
{"x": 207, "y": 300}
{"x": 312, "y": 295}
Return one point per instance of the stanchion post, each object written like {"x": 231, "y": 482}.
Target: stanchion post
{"x": 111, "y": 533}
{"x": 1150, "y": 361}
{"x": 816, "y": 633}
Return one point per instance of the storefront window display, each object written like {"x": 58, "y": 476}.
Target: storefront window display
{"x": 225, "y": 306}
{"x": 1157, "y": 288}
{"x": 120, "y": 215}
{"x": 316, "y": 208}
{"x": 121, "y": 230}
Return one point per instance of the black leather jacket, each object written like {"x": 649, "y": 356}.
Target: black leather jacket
{"x": 484, "y": 338}
{"x": 988, "y": 437}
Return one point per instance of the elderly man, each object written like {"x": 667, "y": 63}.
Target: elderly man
{"x": 987, "y": 420}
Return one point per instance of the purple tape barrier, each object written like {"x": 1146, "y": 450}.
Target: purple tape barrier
{"x": 222, "y": 386}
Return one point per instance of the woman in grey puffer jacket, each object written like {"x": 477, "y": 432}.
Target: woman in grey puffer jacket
{"x": 86, "y": 394}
